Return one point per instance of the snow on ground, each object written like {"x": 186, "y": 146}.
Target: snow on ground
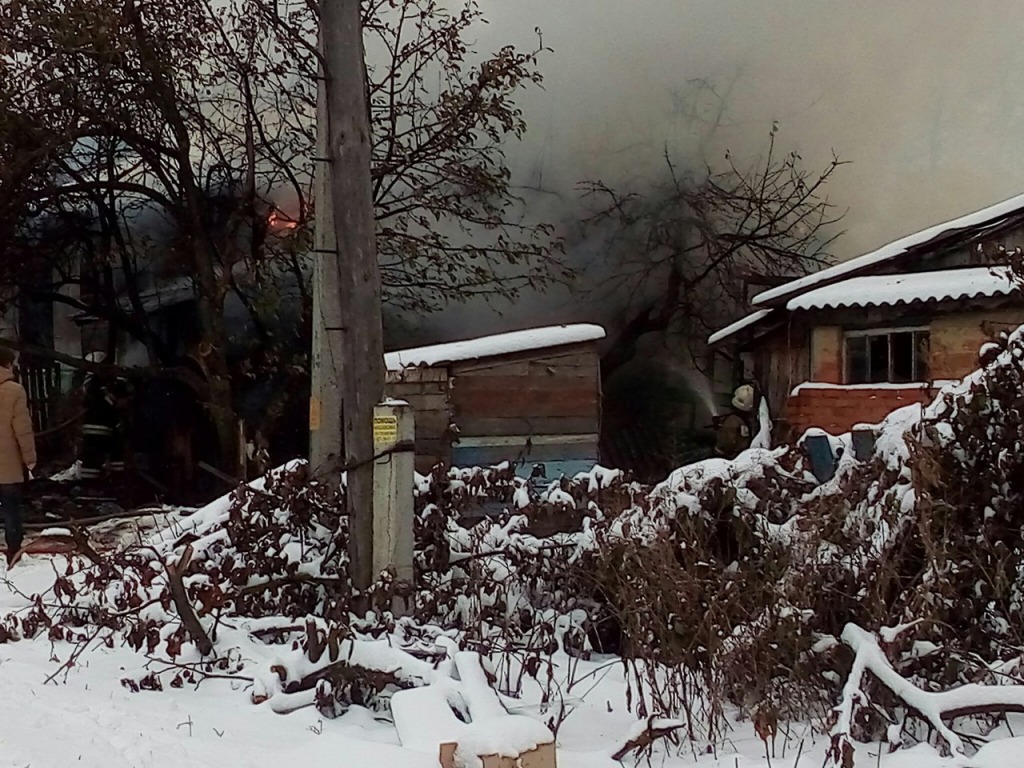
{"x": 87, "y": 718}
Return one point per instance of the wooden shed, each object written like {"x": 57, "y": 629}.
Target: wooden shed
{"x": 530, "y": 396}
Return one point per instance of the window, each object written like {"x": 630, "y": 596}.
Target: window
{"x": 897, "y": 356}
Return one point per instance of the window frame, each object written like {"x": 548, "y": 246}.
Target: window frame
{"x": 887, "y": 331}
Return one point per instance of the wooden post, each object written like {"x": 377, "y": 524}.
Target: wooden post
{"x": 356, "y": 357}
{"x": 243, "y": 452}
{"x": 393, "y": 474}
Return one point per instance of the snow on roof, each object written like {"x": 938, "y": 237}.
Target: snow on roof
{"x": 745, "y": 322}
{"x": 170, "y": 294}
{"x": 490, "y": 346}
{"x": 887, "y": 290}
{"x": 993, "y": 215}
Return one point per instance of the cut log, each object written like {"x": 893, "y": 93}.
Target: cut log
{"x": 543, "y": 756}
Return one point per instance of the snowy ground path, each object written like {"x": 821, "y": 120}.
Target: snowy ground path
{"x": 88, "y": 719}
{"x": 91, "y": 720}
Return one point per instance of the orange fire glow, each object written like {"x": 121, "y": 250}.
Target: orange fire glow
{"x": 280, "y": 223}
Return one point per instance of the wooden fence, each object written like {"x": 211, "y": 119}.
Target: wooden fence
{"x": 42, "y": 382}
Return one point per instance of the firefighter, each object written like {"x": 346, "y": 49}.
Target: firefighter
{"x": 735, "y": 431}
{"x": 103, "y": 429}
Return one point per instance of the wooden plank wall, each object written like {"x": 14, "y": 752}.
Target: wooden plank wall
{"x": 543, "y": 406}
{"x": 782, "y": 361}
{"x": 557, "y": 393}
{"x": 42, "y": 382}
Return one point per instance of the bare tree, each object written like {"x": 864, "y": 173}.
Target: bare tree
{"x": 201, "y": 116}
{"x": 683, "y": 250}
{"x": 449, "y": 224}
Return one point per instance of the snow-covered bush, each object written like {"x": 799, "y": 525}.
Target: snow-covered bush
{"x": 740, "y": 579}
{"x": 271, "y": 558}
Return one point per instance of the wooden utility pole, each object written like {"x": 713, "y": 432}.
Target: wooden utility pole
{"x": 325, "y": 441}
{"x": 348, "y": 353}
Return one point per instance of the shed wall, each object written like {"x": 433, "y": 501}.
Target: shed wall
{"x": 427, "y": 390}
{"x": 782, "y": 360}
{"x": 540, "y": 407}
{"x": 957, "y": 337}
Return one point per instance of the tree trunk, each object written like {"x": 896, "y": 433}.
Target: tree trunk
{"x": 220, "y": 403}
{"x": 623, "y": 348}
{"x": 654, "y": 318}
{"x": 210, "y": 288}
{"x": 355, "y": 269}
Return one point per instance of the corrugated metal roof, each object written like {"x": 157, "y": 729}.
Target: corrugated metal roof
{"x": 731, "y": 330}
{"x": 888, "y": 290}
{"x": 973, "y": 224}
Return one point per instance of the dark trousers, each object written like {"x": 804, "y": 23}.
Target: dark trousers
{"x": 10, "y": 506}
{"x": 101, "y": 445}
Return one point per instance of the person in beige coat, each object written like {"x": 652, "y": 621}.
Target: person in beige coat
{"x": 17, "y": 452}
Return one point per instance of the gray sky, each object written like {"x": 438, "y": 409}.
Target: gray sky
{"x": 924, "y": 97}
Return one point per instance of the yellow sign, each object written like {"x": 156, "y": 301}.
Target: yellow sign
{"x": 385, "y": 430}
{"x": 314, "y": 414}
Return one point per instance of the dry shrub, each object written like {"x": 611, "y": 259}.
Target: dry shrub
{"x": 741, "y": 594}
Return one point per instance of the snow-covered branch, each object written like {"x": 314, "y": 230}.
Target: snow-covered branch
{"x": 936, "y": 707}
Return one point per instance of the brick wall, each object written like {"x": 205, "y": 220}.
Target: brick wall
{"x": 427, "y": 390}
{"x": 955, "y": 338}
{"x": 531, "y": 394}
{"x": 837, "y": 409}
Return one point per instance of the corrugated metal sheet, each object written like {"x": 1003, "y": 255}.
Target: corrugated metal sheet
{"x": 964, "y": 228}
{"x": 890, "y": 290}
{"x": 731, "y": 330}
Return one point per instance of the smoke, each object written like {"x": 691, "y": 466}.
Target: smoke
{"x": 925, "y": 99}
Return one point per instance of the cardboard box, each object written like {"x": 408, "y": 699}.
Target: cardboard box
{"x": 541, "y": 757}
